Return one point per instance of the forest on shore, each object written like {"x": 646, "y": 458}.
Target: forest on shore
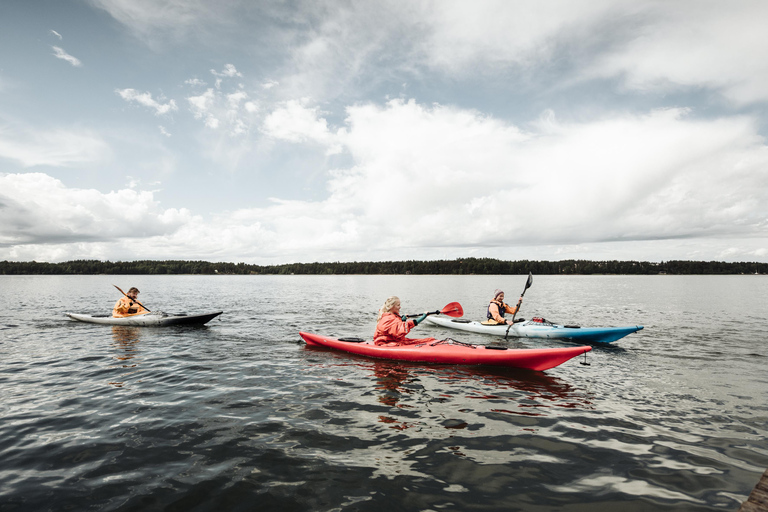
{"x": 488, "y": 266}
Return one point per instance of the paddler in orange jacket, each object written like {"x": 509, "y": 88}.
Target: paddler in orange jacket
{"x": 498, "y": 307}
{"x": 392, "y": 328}
{"x": 129, "y": 305}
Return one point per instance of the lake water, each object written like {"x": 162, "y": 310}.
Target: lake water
{"x": 240, "y": 415}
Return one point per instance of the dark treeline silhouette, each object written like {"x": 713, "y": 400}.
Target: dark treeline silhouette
{"x": 458, "y": 266}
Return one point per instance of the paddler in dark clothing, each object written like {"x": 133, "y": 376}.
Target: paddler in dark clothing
{"x": 129, "y": 305}
{"x": 497, "y": 308}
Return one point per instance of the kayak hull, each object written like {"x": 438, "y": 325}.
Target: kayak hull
{"x": 148, "y": 320}
{"x": 455, "y": 354}
{"x": 531, "y": 329}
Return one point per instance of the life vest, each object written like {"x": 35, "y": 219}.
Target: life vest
{"x": 128, "y": 307}
{"x": 502, "y": 309}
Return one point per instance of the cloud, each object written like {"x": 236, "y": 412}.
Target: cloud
{"x": 462, "y": 38}
{"x": 710, "y": 46}
{"x": 61, "y": 54}
{"x": 654, "y": 176}
{"x": 155, "y": 21}
{"x": 56, "y": 34}
{"x": 228, "y": 72}
{"x": 430, "y": 179}
{"x": 60, "y": 147}
{"x": 233, "y": 112}
{"x": 201, "y": 105}
{"x": 295, "y": 122}
{"x": 439, "y": 181}
{"x": 651, "y": 46}
{"x": 269, "y": 84}
{"x": 38, "y": 209}
{"x": 332, "y": 48}
{"x": 195, "y": 82}
{"x": 145, "y": 99}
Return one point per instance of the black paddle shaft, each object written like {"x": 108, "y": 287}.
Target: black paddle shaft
{"x": 528, "y": 284}
{"x": 429, "y": 313}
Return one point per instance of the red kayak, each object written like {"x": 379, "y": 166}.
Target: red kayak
{"x": 452, "y": 352}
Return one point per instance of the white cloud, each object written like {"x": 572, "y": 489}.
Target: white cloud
{"x": 445, "y": 182}
{"x": 233, "y": 112}
{"x": 60, "y": 147}
{"x": 211, "y": 122}
{"x": 695, "y": 45}
{"x": 153, "y": 21}
{"x": 460, "y": 36}
{"x": 61, "y": 54}
{"x": 39, "y": 209}
{"x": 228, "y": 72}
{"x": 295, "y": 122}
{"x": 56, "y": 34}
{"x": 655, "y": 176}
{"x": 269, "y": 84}
{"x": 469, "y": 180}
{"x": 651, "y": 45}
{"x": 200, "y": 105}
{"x": 660, "y": 176}
{"x": 164, "y": 131}
{"x": 145, "y": 99}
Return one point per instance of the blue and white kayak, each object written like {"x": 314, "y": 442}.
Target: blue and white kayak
{"x": 538, "y": 328}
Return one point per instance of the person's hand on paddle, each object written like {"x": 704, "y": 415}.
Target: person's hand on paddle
{"x": 404, "y": 318}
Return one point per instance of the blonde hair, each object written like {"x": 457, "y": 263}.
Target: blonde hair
{"x": 387, "y": 307}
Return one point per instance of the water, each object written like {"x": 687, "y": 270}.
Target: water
{"x": 240, "y": 415}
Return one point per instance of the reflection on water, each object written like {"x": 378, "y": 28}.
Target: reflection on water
{"x": 484, "y": 392}
{"x": 671, "y": 419}
{"x": 125, "y": 340}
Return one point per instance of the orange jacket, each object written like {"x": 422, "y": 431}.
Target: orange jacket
{"x": 392, "y": 328}
{"x": 391, "y": 331}
{"x": 127, "y": 307}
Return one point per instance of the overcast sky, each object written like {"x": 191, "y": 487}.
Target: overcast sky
{"x": 278, "y": 132}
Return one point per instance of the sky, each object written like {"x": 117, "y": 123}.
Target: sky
{"x": 312, "y": 131}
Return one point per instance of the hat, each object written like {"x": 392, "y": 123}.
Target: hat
{"x": 497, "y": 292}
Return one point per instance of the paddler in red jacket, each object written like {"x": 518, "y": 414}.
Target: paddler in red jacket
{"x": 392, "y": 328}
{"x": 129, "y": 305}
{"x": 498, "y": 307}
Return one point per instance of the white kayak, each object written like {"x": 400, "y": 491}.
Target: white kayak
{"x": 148, "y": 320}
{"x": 538, "y": 328}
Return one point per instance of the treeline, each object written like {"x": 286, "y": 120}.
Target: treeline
{"x": 458, "y": 266}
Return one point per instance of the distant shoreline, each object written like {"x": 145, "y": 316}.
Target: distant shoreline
{"x": 460, "y": 266}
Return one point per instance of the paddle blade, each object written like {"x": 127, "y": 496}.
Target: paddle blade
{"x": 530, "y": 281}
{"x": 453, "y": 309}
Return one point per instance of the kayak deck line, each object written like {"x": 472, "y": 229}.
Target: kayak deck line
{"x": 452, "y": 352}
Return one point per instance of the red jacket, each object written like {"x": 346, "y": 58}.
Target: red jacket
{"x": 391, "y": 330}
